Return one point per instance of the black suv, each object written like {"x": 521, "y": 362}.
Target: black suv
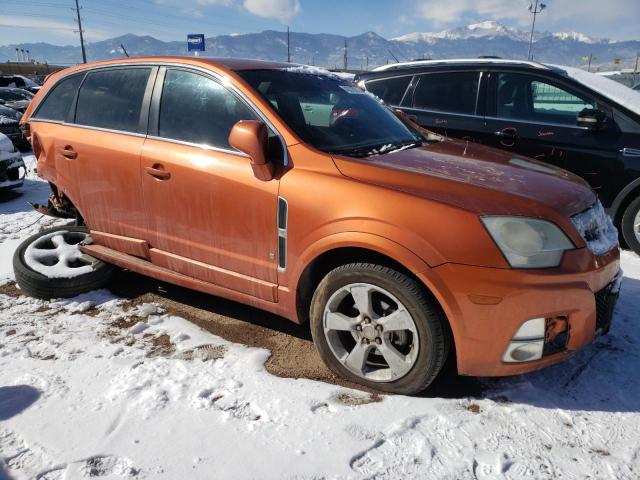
{"x": 579, "y": 121}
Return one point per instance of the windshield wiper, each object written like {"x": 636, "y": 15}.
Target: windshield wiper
{"x": 360, "y": 152}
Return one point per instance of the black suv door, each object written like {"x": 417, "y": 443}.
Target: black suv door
{"x": 536, "y": 116}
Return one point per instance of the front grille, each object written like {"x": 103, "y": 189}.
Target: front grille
{"x": 605, "y": 304}
{"x": 597, "y": 229}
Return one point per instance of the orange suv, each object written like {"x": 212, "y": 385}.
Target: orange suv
{"x": 291, "y": 190}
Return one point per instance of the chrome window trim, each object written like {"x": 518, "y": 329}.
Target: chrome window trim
{"x": 203, "y": 146}
{"x": 467, "y": 115}
{"x": 563, "y": 125}
{"x": 223, "y": 80}
{"x": 89, "y": 127}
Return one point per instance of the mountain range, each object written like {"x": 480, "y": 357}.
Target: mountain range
{"x": 366, "y": 50}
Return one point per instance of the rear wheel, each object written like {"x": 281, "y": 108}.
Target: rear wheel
{"x": 375, "y": 326}
{"x": 50, "y": 264}
{"x": 631, "y": 225}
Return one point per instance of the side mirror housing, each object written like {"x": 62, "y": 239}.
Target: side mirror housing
{"x": 251, "y": 137}
{"x": 591, "y": 118}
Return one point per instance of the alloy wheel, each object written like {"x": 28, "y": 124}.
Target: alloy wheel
{"x": 370, "y": 332}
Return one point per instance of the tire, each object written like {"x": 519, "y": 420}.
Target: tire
{"x": 629, "y": 223}
{"x": 423, "y": 345}
{"x": 38, "y": 285}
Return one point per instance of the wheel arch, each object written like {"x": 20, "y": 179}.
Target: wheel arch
{"x": 623, "y": 199}
{"x": 370, "y": 249}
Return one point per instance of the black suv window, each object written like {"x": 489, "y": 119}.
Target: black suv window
{"x": 524, "y": 97}
{"x": 453, "y": 92}
{"x": 391, "y": 90}
{"x": 197, "y": 109}
{"x": 113, "y": 99}
{"x": 56, "y": 104}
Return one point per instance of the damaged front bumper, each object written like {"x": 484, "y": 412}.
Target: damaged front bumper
{"x": 12, "y": 170}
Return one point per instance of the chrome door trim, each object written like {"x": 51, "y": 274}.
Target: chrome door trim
{"x": 630, "y": 152}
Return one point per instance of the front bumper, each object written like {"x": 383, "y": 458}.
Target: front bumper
{"x": 486, "y": 306}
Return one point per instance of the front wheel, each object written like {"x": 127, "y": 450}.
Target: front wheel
{"x": 631, "y": 225}
{"x": 376, "y": 326}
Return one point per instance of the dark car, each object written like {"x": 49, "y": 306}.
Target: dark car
{"x": 637, "y": 87}
{"x": 19, "y": 81}
{"x": 15, "y": 98}
{"x": 10, "y": 126}
{"x": 582, "y": 122}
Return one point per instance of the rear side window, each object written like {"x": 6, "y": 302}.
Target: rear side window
{"x": 113, "y": 99}
{"x": 391, "y": 90}
{"x": 56, "y": 104}
{"x": 453, "y": 92}
{"x": 197, "y": 109}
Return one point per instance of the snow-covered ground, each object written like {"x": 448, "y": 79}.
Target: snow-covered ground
{"x": 98, "y": 386}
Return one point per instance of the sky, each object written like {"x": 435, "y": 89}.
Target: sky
{"x": 53, "y": 21}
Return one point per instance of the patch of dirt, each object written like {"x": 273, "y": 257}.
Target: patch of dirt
{"x": 204, "y": 353}
{"x": 13, "y": 331}
{"x": 473, "y": 408}
{"x": 126, "y": 323}
{"x": 11, "y": 289}
{"x": 293, "y": 354}
{"x": 161, "y": 346}
{"x": 356, "y": 400}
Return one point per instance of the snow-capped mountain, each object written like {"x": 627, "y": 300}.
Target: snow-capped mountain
{"x": 490, "y": 29}
{"x": 366, "y": 50}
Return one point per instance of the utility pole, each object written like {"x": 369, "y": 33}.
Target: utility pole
{"x": 84, "y": 53}
{"x": 635, "y": 70}
{"x": 535, "y": 10}
{"x": 590, "y": 59}
{"x": 345, "y": 54}
{"x": 288, "y": 46}
{"x": 366, "y": 65}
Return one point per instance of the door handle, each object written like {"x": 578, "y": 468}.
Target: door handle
{"x": 158, "y": 172}
{"x": 507, "y": 133}
{"x": 68, "y": 152}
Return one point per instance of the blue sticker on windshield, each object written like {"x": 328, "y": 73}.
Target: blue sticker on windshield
{"x": 351, "y": 89}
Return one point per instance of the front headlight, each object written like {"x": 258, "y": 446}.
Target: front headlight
{"x": 528, "y": 242}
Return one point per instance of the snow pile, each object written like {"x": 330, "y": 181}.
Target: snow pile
{"x": 317, "y": 71}
{"x": 597, "y": 229}
{"x": 52, "y": 256}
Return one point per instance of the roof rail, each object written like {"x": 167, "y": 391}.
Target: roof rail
{"x": 459, "y": 61}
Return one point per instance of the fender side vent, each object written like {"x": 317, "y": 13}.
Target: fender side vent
{"x": 283, "y": 212}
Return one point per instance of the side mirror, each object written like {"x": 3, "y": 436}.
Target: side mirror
{"x": 251, "y": 137}
{"x": 591, "y": 118}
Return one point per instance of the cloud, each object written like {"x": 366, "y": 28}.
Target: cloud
{"x": 283, "y": 10}
{"x": 559, "y": 13}
{"x": 450, "y": 12}
{"x": 64, "y": 29}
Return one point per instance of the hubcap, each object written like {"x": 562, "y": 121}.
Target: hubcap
{"x": 57, "y": 255}
{"x": 636, "y": 225}
{"x": 370, "y": 332}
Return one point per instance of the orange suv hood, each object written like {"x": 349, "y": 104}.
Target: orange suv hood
{"x": 474, "y": 177}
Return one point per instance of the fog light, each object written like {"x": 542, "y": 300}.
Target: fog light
{"x": 524, "y": 351}
{"x": 528, "y": 342}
